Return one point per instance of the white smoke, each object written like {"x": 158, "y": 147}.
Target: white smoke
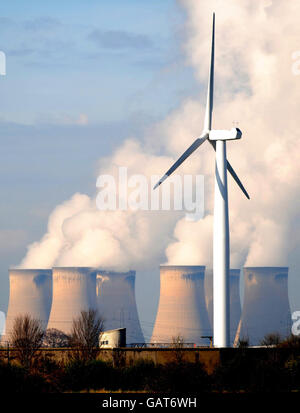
{"x": 81, "y": 235}
{"x": 254, "y": 85}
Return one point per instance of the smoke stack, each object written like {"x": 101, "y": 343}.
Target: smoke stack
{"x": 235, "y": 302}
{"x": 74, "y": 290}
{"x": 182, "y": 309}
{"x": 30, "y": 293}
{"x": 116, "y": 303}
{"x": 266, "y": 307}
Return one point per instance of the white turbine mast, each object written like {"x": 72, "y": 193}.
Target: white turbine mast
{"x": 217, "y": 138}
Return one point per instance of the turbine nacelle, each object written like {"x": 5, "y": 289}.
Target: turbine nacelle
{"x": 225, "y": 135}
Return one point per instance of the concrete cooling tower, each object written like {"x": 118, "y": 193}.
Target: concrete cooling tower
{"x": 74, "y": 290}
{"x": 182, "y": 308}
{"x": 116, "y": 303}
{"x": 266, "y": 307}
{"x": 208, "y": 291}
{"x": 30, "y": 293}
{"x": 235, "y": 302}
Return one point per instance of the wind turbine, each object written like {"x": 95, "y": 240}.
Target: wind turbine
{"x": 221, "y": 247}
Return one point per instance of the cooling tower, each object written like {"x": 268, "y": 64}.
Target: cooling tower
{"x": 117, "y": 305}
{"x": 266, "y": 307}
{"x": 30, "y": 293}
{"x": 235, "y": 302}
{"x": 181, "y": 309}
{"x": 208, "y": 289}
{"x": 74, "y": 290}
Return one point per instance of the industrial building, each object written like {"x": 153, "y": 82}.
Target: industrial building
{"x": 182, "y": 309}
{"x": 113, "y": 338}
{"x": 30, "y": 292}
{"x": 116, "y": 303}
{"x": 74, "y": 290}
{"x": 266, "y": 307}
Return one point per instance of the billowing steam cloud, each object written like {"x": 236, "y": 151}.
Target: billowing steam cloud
{"x": 81, "y": 235}
{"x": 254, "y": 85}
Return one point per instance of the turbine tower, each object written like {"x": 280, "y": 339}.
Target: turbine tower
{"x": 217, "y": 138}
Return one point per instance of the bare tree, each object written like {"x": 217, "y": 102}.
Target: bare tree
{"x": 243, "y": 342}
{"x": 84, "y": 338}
{"x": 177, "y": 342}
{"x": 272, "y": 339}
{"x": 177, "y": 346}
{"x": 26, "y": 338}
{"x": 290, "y": 342}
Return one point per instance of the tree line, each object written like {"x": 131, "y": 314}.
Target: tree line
{"x": 27, "y": 337}
{"x": 274, "y": 368}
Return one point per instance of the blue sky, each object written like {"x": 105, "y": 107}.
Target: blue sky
{"x": 105, "y": 59}
{"x": 81, "y": 77}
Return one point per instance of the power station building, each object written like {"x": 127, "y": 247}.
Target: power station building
{"x": 30, "y": 292}
{"x": 182, "y": 309}
{"x": 74, "y": 290}
{"x": 113, "y": 338}
{"x": 266, "y": 307}
{"x": 116, "y": 303}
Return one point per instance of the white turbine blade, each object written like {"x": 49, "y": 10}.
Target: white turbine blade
{"x": 210, "y": 89}
{"x": 237, "y": 180}
{"x": 232, "y": 173}
{"x": 183, "y": 157}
